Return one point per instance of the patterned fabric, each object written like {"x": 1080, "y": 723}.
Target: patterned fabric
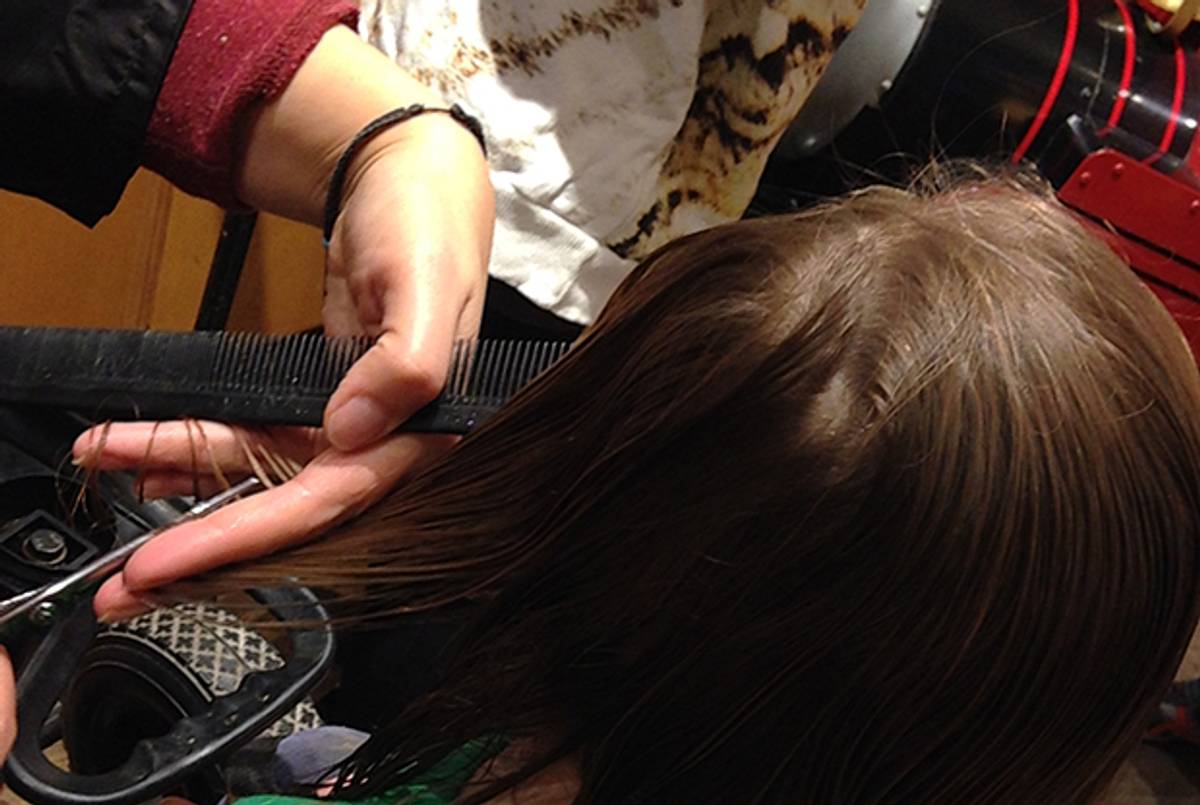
{"x": 213, "y": 645}
{"x": 614, "y": 125}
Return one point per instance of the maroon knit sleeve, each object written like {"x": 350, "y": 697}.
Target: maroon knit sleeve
{"x": 233, "y": 53}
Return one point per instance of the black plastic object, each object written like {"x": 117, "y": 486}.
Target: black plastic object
{"x": 158, "y": 765}
{"x": 34, "y": 446}
{"x": 237, "y": 232}
{"x": 35, "y": 442}
{"x": 242, "y": 377}
{"x": 988, "y": 79}
{"x": 52, "y": 523}
{"x": 127, "y": 688}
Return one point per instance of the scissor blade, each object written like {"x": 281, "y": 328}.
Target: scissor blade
{"x": 79, "y": 582}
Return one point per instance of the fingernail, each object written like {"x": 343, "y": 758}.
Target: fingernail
{"x": 144, "y": 603}
{"x": 87, "y": 455}
{"x": 356, "y": 424}
{"x": 117, "y": 615}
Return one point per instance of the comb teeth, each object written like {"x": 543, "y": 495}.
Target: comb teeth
{"x": 489, "y": 372}
{"x": 305, "y": 363}
{"x": 480, "y": 373}
{"x": 243, "y": 377}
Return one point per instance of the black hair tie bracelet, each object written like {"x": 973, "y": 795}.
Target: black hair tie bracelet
{"x": 333, "y": 201}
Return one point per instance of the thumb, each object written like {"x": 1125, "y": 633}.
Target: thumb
{"x": 386, "y": 386}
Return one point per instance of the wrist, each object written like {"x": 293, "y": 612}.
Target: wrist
{"x": 291, "y": 143}
{"x": 437, "y": 136}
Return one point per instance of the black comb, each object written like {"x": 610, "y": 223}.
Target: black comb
{"x": 242, "y": 377}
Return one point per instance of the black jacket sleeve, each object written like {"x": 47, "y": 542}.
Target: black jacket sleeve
{"x": 78, "y": 81}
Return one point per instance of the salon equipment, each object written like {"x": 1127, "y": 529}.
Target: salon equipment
{"x": 158, "y": 764}
{"x": 170, "y": 732}
{"x": 1090, "y": 91}
{"x": 40, "y": 608}
{"x": 241, "y": 377}
{"x": 122, "y": 681}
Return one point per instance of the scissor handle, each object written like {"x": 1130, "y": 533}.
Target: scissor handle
{"x": 158, "y": 765}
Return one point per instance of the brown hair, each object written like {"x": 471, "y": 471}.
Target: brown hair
{"x": 895, "y": 500}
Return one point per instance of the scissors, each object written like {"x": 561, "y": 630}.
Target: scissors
{"x": 41, "y": 607}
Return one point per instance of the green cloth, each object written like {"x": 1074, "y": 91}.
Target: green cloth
{"x": 441, "y": 785}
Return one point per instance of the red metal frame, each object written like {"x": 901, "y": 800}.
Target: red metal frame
{"x": 1129, "y": 29}
{"x": 1056, "y": 82}
{"x": 1152, "y": 219}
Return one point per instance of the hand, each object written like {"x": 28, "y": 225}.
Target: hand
{"x": 409, "y": 252}
{"x": 332, "y": 487}
{"x": 407, "y": 263}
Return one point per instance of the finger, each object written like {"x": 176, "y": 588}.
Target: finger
{"x": 156, "y": 484}
{"x": 385, "y": 386}
{"x": 427, "y": 300}
{"x": 192, "y": 446}
{"x": 407, "y": 365}
{"x": 114, "y": 602}
{"x": 332, "y": 488}
{"x": 8, "y": 704}
{"x": 163, "y": 445}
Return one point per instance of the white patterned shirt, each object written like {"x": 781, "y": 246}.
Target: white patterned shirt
{"x": 613, "y": 126}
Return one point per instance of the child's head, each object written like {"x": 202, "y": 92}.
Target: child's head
{"x": 895, "y": 500}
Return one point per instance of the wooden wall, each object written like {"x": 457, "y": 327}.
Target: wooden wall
{"x": 145, "y": 265}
